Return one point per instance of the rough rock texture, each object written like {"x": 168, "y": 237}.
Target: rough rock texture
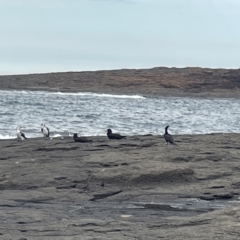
{"x": 134, "y": 188}
{"x": 159, "y": 80}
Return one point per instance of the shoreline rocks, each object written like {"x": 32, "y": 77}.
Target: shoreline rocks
{"x": 133, "y": 188}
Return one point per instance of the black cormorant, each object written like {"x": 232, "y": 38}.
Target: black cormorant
{"x": 80, "y": 139}
{"x": 114, "y": 135}
{"x": 168, "y": 137}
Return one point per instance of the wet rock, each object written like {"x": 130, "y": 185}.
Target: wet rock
{"x": 162, "y": 207}
{"x": 104, "y": 195}
{"x": 217, "y": 186}
{"x": 224, "y": 196}
{"x": 207, "y": 198}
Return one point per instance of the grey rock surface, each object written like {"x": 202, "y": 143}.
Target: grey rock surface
{"x": 133, "y": 188}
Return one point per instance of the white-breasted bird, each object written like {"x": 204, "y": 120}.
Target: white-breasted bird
{"x": 45, "y": 130}
{"x": 20, "y": 135}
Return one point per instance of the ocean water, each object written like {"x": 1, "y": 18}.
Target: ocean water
{"x": 91, "y": 114}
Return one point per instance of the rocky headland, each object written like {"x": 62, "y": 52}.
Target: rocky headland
{"x": 192, "y": 81}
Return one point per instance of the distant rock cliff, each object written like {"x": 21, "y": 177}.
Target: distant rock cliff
{"x": 159, "y": 80}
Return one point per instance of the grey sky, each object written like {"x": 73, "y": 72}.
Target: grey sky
{"x": 76, "y": 35}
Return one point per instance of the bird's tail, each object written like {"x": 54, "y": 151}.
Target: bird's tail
{"x": 23, "y": 135}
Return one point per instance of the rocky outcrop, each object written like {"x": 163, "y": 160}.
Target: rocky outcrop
{"x": 133, "y": 188}
{"x": 159, "y": 80}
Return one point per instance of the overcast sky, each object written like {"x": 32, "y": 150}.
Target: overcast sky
{"x": 75, "y": 35}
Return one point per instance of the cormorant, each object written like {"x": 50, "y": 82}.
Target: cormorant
{"x": 20, "y": 135}
{"x": 114, "y": 135}
{"x": 80, "y": 139}
{"x": 168, "y": 137}
{"x": 45, "y": 130}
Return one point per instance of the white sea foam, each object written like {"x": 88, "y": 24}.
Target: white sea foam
{"x": 86, "y": 94}
{"x": 56, "y": 135}
{"x": 100, "y": 95}
{"x": 7, "y": 136}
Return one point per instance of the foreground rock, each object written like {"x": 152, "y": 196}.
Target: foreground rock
{"x": 160, "y": 80}
{"x": 134, "y": 188}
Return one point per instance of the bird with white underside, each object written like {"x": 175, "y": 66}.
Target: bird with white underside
{"x": 45, "y": 130}
{"x": 20, "y": 135}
